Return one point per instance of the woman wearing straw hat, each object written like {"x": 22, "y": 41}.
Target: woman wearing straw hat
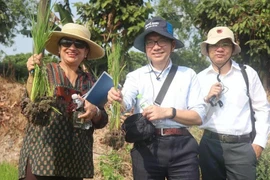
{"x": 227, "y": 150}
{"x": 61, "y": 147}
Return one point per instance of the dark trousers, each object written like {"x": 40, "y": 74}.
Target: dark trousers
{"x": 171, "y": 157}
{"x": 31, "y": 176}
{"x": 221, "y": 161}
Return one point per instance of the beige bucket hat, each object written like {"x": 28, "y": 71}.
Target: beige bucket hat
{"x": 216, "y": 34}
{"x": 75, "y": 31}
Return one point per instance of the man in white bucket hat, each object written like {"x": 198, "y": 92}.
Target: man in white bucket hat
{"x": 227, "y": 149}
{"x": 59, "y": 146}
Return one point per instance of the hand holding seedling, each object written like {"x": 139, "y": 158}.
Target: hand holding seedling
{"x": 34, "y": 59}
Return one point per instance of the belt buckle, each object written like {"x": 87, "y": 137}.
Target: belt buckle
{"x": 223, "y": 138}
{"x": 162, "y": 132}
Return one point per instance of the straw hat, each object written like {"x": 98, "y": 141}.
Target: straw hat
{"x": 216, "y": 34}
{"x": 160, "y": 26}
{"x": 75, "y": 31}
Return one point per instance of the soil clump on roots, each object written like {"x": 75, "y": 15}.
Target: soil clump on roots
{"x": 37, "y": 112}
{"x": 114, "y": 139}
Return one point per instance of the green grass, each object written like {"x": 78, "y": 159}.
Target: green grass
{"x": 8, "y": 171}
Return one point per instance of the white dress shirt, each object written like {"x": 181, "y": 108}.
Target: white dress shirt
{"x": 184, "y": 92}
{"x": 234, "y": 116}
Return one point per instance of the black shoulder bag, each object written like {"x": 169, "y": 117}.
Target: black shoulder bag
{"x": 244, "y": 73}
{"x": 136, "y": 127}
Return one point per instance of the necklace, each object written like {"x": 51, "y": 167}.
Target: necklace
{"x": 158, "y": 76}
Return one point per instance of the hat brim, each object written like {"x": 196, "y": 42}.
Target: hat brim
{"x": 237, "y": 48}
{"x": 51, "y": 46}
{"x": 140, "y": 44}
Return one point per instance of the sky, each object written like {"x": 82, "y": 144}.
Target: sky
{"x": 23, "y": 44}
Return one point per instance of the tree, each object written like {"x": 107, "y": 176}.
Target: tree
{"x": 14, "y": 66}
{"x": 13, "y": 15}
{"x": 110, "y": 20}
{"x": 250, "y": 21}
{"x": 180, "y": 14}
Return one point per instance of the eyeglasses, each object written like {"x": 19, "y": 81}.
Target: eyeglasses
{"x": 160, "y": 42}
{"x": 77, "y": 43}
{"x": 222, "y": 45}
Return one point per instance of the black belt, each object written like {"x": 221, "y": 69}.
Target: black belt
{"x": 226, "y": 138}
{"x": 172, "y": 131}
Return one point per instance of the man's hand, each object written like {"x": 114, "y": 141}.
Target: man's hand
{"x": 215, "y": 90}
{"x": 155, "y": 112}
{"x": 258, "y": 150}
{"x": 114, "y": 95}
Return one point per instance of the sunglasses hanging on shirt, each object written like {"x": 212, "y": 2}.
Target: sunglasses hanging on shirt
{"x": 213, "y": 100}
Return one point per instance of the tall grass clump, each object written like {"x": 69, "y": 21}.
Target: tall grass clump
{"x": 41, "y": 30}
{"x": 8, "y": 171}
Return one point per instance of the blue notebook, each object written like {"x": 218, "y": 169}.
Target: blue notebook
{"x": 97, "y": 95}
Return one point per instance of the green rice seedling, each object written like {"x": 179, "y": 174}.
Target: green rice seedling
{"x": 41, "y": 30}
{"x": 115, "y": 57}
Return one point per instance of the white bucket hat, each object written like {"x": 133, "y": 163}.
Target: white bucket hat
{"x": 216, "y": 34}
{"x": 75, "y": 31}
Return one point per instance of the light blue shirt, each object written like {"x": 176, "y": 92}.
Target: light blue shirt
{"x": 234, "y": 116}
{"x": 184, "y": 92}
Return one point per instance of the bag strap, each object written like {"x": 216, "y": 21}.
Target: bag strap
{"x": 166, "y": 85}
{"x": 244, "y": 73}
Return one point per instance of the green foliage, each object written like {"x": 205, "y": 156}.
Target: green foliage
{"x": 14, "y": 66}
{"x": 181, "y": 14}
{"x": 12, "y": 14}
{"x": 111, "y": 166}
{"x": 8, "y": 171}
{"x": 134, "y": 60}
{"x": 64, "y": 13}
{"x": 188, "y": 59}
{"x": 249, "y": 20}
{"x": 112, "y": 19}
{"x": 263, "y": 166}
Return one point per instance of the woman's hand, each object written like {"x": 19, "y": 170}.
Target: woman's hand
{"x": 34, "y": 59}
{"x": 91, "y": 111}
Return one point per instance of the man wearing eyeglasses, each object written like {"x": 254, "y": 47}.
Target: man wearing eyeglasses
{"x": 173, "y": 152}
{"x": 227, "y": 150}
